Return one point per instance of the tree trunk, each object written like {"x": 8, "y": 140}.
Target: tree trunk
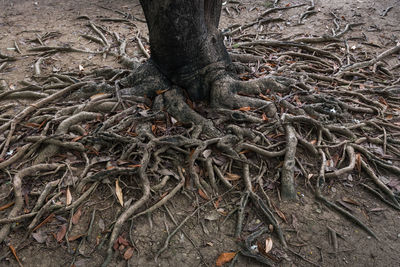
{"x": 185, "y": 43}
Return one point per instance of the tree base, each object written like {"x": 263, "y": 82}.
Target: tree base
{"x": 225, "y": 92}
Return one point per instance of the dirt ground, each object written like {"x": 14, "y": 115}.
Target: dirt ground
{"x": 207, "y": 234}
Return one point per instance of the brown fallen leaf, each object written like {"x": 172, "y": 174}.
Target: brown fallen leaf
{"x": 118, "y": 191}
{"x": 61, "y": 233}
{"x": 77, "y": 216}
{"x": 351, "y": 201}
{"x": 128, "y": 253}
{"x": 280, "y": 214}
{"x": 68, "y": 196}
{"x": 232, "y": 176}
{"x": 358, "y": 162}
{"x": 225, "y": 258}
{"x": 97, "y": 96}
{"x": 159, "y": 92}
{"x": 33, "y": 125}
{"x": 203, "y": 195}
{"x": 123, "y": 241}
{"x": 6, "y": 206}
{"x": 267, "y": 98}
{"x": 49, "y": 218}
{"x": 216, "y": 203}
{"x": 75, "y": 237}
{"x": 135, "y": 166}
{"x": 244, "y": 109}
{"x": 14, "y": 252}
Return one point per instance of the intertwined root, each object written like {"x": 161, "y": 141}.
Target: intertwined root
{"x": 251, "y": 131}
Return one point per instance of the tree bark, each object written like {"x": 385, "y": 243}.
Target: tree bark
{"x": 185, "y": 43}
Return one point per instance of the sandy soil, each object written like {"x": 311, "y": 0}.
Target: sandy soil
{"x": 307, "y": 221}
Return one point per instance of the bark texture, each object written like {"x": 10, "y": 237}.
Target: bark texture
{"x": 185, "y": 43}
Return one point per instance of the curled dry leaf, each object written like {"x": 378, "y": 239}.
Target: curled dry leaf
{"x": 61, "y": 233}
{"x": 244, "y": 109}
{"x": 97, "y": 96}
{"x": 118, "y": 191}
{"x": 268, "y": 244}
{"x": 75, "y": 237}
{"x": 69, "y": 196}
{"x": 159, "y": 92}
{"x": 203, "y": 195}
{"x": 14, "y": 252}
{"x": 225, "y": 258}
{"x": 6, "y": 206}
{"x": 128, "y": 253}
{"x": 77, "y": 216}
{"x": 232, "y": 177}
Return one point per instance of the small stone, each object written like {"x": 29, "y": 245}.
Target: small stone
{"x": 368, "y": 237}
{"x": 318, "y": 210}
{"x": 398, "y": 235}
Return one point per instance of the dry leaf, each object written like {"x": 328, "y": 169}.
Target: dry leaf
{"x": 265, "y": 97}
{"x": 77, "y": 216}
{"x": 123, "y": 241}
{"x": 203, "y": 195}
{"x": 264, "y": 117}
{"x": 389, "y": 117}
{"x": 33, "y": 125}
{"x": 75, "y": 237}
{"x": 159, "y": 92}
{"x": 49, "y": 218}
{"x": 280, "y": 213}
{"x": 191, "y": 153}
{"x": 134, "y": 166}
{"x": 143, "y": 106}
{"x": 76, "y": 139}
{"x": 128, "y": 253}
{"x": 244, "y": 109}
{"x": 351, "y": 201}
{"x": 268, "y": 244}
{"x": 6, "y": 206}
{"x": 69, "y": 196}
{"x": 14, "y": 252}
{"x": 118, "y": 191}
{"x": 40, "y": 236}
{"x": 216, "y": 203}
{"x": 61, "y": 233}
{"x": 96, "y": 96}
{"x": 225, "y": 258}
{"x": 383, "y": 101}
{"x": 232, "y": 177}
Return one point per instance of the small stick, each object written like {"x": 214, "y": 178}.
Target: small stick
{"x": 105, "y": 41}
{"x": 17, "y": 47}
{"x": 3, "y": 66}
{"x": 334, "y": 239}
{"x": 37, "y": 66}
{"x": 142, "y": 47}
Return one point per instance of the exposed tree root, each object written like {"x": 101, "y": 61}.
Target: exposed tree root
{"x": 306, "y": 106}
